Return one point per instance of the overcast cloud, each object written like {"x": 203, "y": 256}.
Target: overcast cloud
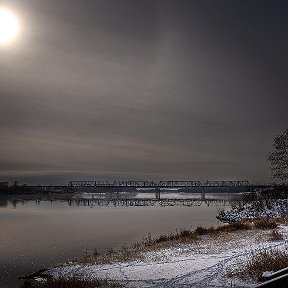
{"x": 143, "y": 90}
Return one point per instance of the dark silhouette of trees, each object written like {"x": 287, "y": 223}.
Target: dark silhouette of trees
{"x": 279, "y": 158}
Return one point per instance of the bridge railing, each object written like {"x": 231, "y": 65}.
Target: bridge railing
{"x": 140, "y": 184}
{"x": 213, "y": 183}
{"x": 80, "y": 184}
{"x": 144, "y": 184}
{"x": 179, "y": 184}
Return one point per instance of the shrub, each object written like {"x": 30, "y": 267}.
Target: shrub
{"x": 265, "y": 224}
{"x": 201, "y": 231}
{"x": 162, "y": 238}
{"x": 276, "y": 236}
{"x": 235, "y": 226}
{"x": 185, "y": 233}
{"x": 268, "y": 260}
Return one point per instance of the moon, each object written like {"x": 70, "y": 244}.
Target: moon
{"x": 9, "y": 26}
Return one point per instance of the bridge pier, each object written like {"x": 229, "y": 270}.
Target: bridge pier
{"x": 203, "y": 196}
{"x": 157, "y": 193}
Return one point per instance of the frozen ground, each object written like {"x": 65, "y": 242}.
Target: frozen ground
{"x": 202, "y": 264}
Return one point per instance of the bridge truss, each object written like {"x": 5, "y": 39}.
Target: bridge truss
{"x": 161, "y": 184}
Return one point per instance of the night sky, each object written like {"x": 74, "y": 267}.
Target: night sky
{"x": 147, "y": 90}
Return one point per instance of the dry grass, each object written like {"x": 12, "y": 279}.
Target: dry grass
{"x": 275, "y": 236}
{"x": 185, "y": 236}
{"x": 266, "y": 224}
{"x": 257, "y": 263}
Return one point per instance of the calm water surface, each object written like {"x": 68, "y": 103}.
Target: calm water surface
{"x": 37, "y": 234}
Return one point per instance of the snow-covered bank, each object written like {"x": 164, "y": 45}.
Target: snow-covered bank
{"x": 200, "y": 264}
{"x": 257, "y": 209}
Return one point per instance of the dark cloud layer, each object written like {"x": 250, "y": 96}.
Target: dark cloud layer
{"x": 143, "y": 90}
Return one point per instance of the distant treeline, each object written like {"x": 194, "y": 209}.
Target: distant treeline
{"x": 17, "y": 189}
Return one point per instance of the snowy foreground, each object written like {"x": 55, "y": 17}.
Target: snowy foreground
{"x": 202, "y": 264}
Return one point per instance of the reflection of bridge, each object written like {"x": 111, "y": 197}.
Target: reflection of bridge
{"x": 136, "y": 202}
{"x": 116, "y": 201}
{"x": 161, "y": 184}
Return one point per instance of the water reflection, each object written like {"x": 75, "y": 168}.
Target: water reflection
{"x": 125, "y": 199}
{"x": 3, "y": 202}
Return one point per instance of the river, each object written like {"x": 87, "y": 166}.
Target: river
{"x": 41, "y": 233}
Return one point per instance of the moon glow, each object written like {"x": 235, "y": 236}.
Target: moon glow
{"x": 9, "y": 26}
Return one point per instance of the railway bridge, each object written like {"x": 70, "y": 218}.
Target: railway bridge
{"x": 184, "y": 185}
{"x": 159, "y": 185}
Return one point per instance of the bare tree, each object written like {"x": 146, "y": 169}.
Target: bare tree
{"x": 279, "y": 158}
